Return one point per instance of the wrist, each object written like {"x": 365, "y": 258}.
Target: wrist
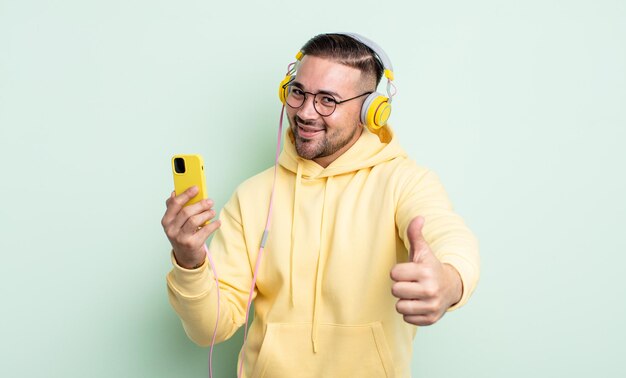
{"x": 188, "y": 264}
{"x": 455, "y": 285}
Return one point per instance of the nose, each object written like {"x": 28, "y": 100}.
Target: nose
{"x": 307, "y": 110}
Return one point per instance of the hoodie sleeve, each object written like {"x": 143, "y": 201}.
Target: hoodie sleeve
{"x": 420, "y": 192}
{"x": 192, "y": 292}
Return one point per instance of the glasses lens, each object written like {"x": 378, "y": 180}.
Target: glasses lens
{"x": 295, "y": 96}
{"x": 325, "y": 104}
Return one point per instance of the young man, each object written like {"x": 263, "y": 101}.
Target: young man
{"x": 364, "y": 244}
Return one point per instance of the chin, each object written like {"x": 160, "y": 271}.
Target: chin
{"x": 304, "y": 152}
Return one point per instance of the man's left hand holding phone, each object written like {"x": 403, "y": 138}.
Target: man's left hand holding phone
{"x": 187, "y": 220}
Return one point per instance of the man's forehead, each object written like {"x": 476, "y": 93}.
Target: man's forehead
{"x": 315, "y": 73}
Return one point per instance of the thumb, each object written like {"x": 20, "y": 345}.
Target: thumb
{"x": 416, "y": 239}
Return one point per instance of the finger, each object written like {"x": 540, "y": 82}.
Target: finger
{"x": 207, "y": 230}
{"x": 414, "y": 273}
{"x": 414, "y": 231}
{"x": 419, "y": 245}
{"x": 405, "y": 272}
{"x": 175, "y": 204}
{"x": 168, "y": 216}
{"x": 188, "y": 212}
{"x": 179, "y": 201}
{"x": 413, "y": 307}
{"x": 410, "y": 290}
{"x": 416, "y": 238}
{"x": 421, "y": 320}
{"x": 195, "y": 222}
{"x": 198, "y": 239}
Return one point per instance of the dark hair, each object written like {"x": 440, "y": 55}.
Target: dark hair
{"x": 345, "y": 50}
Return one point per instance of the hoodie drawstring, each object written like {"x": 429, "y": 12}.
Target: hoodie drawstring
{"x": 319, "y": 272}
{"x": 294, "y": 230}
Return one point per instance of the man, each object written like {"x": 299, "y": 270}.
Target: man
{"x": 364, "y": 244}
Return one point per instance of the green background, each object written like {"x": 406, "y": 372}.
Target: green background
{"x": 519, "y": 106}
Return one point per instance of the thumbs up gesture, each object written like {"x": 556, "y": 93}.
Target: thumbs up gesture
{"x": 425, "y": 287}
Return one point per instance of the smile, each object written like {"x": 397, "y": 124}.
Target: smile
{"x": 308, "y": 131}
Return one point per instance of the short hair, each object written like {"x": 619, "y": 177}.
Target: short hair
{"x": 345, "y": 50}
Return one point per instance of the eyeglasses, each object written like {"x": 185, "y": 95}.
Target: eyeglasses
{"x": 324, "y": 103}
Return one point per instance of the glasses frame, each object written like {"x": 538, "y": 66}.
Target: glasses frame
{"x": 315, "y": 96}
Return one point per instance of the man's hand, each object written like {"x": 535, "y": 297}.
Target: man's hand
{"x": 184, "y": 227}
{"x": 425, "y": 287}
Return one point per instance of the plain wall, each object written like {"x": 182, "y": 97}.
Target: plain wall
{"x": 519, "y": 106}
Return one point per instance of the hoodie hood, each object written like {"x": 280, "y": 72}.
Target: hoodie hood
{"x": 368, "y": 151}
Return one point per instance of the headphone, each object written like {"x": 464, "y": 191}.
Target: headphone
{"x": 376, "y": 108}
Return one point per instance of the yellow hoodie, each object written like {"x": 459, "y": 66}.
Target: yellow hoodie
{"x": 323, "y": 302}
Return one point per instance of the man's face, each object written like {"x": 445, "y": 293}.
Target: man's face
{"x": 324, "y": 139}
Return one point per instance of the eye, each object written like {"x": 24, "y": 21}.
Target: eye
{"x": 327, "y": 100}
{"x": 296, "y": 91}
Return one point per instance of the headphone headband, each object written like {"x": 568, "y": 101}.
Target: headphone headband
{"x": 380, "y": 53}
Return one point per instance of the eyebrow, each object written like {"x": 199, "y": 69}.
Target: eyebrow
{"x": 323, "y": 91}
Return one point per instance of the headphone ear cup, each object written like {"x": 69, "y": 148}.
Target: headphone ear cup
{"x": 282, "y": 89}
{"x": 375, "y": 111}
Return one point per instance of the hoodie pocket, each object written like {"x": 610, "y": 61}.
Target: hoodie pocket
{"x": 343, "y": 351}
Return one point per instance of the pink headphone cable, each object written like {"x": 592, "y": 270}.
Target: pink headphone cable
{"x": 268, "y": 223}
{"x": 217, "y": 319}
